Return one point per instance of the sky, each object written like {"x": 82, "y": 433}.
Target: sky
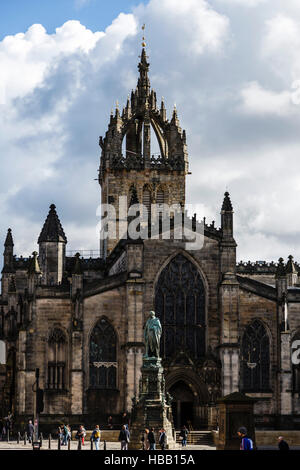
{"x": 231, "y": 66}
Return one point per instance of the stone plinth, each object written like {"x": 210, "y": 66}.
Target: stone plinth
{"x": 153, "y": 407}
{"x": 235, "y": 411}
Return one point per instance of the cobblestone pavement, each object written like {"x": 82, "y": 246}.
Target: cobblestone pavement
{"x": 74, "y": 444}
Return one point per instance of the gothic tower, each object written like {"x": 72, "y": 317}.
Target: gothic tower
{"x": 127, "y": 165}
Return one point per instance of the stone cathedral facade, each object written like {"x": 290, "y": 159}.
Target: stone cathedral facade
{"x": 226, "y": 326}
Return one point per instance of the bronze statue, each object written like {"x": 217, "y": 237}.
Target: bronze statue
{"x": 152, "y": 335}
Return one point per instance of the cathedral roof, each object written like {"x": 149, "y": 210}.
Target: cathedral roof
{"x": 52, "y": 230}
{"x": 227, "y": 206}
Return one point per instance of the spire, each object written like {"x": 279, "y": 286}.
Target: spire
{"x": 280, "y": 272}
{"x": 34, "y": 267}
{"x": 227, "y": 206}
{"x": 9, "y": 239}
{"x": 290, "y": 266}
{"x": 143, "y": 84}
{"x": 52, "y": 230}
{"x": 8, "y": 264}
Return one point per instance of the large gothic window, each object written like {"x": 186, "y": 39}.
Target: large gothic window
{"x": 255, "y": 368}
{"x": 180, "y": 305}
{"x": 57, "y": 360}
{"x": 103, "y": 356}
{"x": 295, "y": 368}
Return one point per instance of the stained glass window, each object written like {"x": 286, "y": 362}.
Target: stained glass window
{"x": 255, "y": 370}
{"x": 103, "y": 356}
{"x": 180, "y": 306}
{"x": 57, "y": 354}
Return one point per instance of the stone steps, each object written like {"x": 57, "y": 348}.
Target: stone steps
{"x": 197, "y": 438}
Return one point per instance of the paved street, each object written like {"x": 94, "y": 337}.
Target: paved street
{"x": 109, "y": 446}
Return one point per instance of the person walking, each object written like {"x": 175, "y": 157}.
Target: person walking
{"x": 95, "y": 437}
{"x": 110, "y": 422}
{"x": 184, "y": 435}
{"x": 69, "y": 438}
{"x": 30, "y": 431}
{"x": 246, "y": 442}
{"x": 282, "y": 444}
{"x": 124, "y": 437}
{"x": 65, "y": 434}
{"x": 151, "y": 439}
{"x": 163, "y": 439}
{"x": 145, "y": 440}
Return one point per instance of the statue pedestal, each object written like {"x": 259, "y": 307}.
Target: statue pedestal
{"x": 153, "y": 408}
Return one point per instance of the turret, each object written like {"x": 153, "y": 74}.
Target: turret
{"x": 228, "y": 244}
{"x": 52, "y": 248}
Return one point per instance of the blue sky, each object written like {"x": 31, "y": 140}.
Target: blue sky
{"x": 231, "y": 66}
{"x": 19, "y": 15}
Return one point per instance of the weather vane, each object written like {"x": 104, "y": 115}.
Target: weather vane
{"x": 143, "y": 28}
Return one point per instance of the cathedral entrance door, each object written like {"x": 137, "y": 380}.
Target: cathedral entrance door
{"x": 182, "y": 405}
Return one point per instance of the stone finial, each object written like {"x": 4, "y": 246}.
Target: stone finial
{"x": 34, "y": 267}
{"x": 77, "y": 265}
{"x": 280, "y": 272}
{"x": 227, "y": 206}
{"x": 290, "y": 266}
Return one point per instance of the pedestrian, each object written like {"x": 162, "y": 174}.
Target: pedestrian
{"x": 110, "y": 422}
{"x": 246, "y": 442}
{"x": 95, "y": 437}
{"x": 30, "y": 431}
{"x": 151, "y": 439}
{"x": 282, "y": 444}
{"x": 69, "y": 433}
{"x": 3, "y": 431}
{"x": 184, "y": 435}
{"x": 124, "y": 437}
{"x": 145, "y": 440}
{"x": 60, "y": 433}
{"x": 163, "y": 439}
{"x": 81, "y": 433}
{"x": 65, "y": 434}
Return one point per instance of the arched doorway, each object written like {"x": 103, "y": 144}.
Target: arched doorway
{"x": 182, "y": 405}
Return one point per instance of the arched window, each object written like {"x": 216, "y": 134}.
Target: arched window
{"x": 255, "y": 370}
{"x": 296, "y": 367}
{"x": 147, "y": 200}
{"x": 103, "y": 356}
{"x": 2, "y": 353}
{"x": 180, "y": 305}
{"x": 57, "y": 360}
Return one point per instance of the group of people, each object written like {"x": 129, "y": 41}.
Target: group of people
{"x": 247, "y": 443}
{"x": 64, "y": 433}
{"x": 149, "y": 442}
{"x": 5, "y": 426}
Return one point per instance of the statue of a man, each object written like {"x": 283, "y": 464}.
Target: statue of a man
{"x": 152, "y": 334}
